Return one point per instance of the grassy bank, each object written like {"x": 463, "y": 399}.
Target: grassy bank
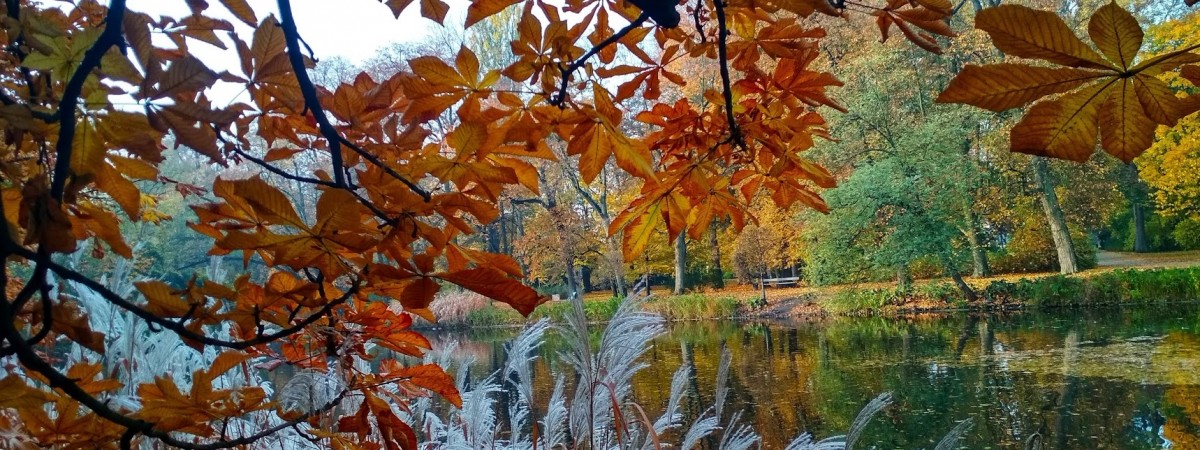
{"x": 674, "y": 308}
{"x": 1122, "y": 286}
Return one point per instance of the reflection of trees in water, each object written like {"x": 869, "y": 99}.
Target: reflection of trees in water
{"x": 1182, "y": 425}
{"x": 815, "y": 377}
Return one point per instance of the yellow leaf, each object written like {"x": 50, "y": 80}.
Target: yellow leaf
{"x": 1029, "y": 33}
{"x": 1116, "y": 33}
{"x": 482, "y": 9}
{"x": 124, "y": 192}
{"x": 467, "y": 64}
{"x": 594, "y": 145}
{"x": 1063, "y": 128}
{"x": 1157, "y": 99}
{"x": 998, "y": 87}
{"x": 1125, "y": 129}
{"x": 637, "y": 234}
{"x": 87, "y": 149}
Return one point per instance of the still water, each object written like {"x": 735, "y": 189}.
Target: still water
{"x": 1076, "y": 379}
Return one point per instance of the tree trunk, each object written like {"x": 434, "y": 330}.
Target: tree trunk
{"x": 616, "y": 263}
{"x": 979, "y": 258}
{"x": 718, "y": 274}
{"x": 1135, "y": 193}
{"x": 680, "y": 262}
{"x": 585, "y": 276}
{"x": 1141, "y": 242}
{"x": 903, "y": 277}
{"x": 1067, "y": 263}
{"x": 568, "y": 258}
{"x": 952, "y": 270}
{"x": 572, "y": 284}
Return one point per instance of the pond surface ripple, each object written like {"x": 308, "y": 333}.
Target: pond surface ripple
{"x": 1076, "y": 379}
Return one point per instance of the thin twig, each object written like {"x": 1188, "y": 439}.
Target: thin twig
{"x": 560, "y": 97}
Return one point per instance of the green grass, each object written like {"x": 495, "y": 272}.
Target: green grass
{"x": 1126, "y": 286}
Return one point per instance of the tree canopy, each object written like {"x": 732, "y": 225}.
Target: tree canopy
{"x": 352, "y": 202}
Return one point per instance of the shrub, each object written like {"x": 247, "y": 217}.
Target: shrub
{"x": 454, "y": 305}
{"x": 1187, "y": 234}
{"x": 1031, "y": 249}
{"x": 942, "y": 291}
{"x": 695, "y": 307}
{"x": 862, "y": 301}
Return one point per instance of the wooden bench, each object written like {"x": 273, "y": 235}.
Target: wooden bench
{"x": 777, "y": 282}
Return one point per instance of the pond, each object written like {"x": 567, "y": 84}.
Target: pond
{"x": 1076, "y": 379}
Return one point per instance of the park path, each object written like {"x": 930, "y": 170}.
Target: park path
{"x": 1164, "y": 259}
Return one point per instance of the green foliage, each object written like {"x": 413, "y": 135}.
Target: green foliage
{"x": 1031, "y": 249}
{"x": 1116, "y": 287}
{"x": 1128, "y": 286}
{"x": 678, "y": 307}
{"x": 861, "y": 301}
{"x": 1187, "y": 234}
{"x": 695, "y": 307}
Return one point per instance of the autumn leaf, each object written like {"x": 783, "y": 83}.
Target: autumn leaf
{"x": 15, "y": 393}
{"x": 1115, "y": 97}
{"x": 495, "y": 284}
{"x": 482, "y": 9}
{"x": 428, "y": 376}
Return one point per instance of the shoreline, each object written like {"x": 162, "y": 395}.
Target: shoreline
{"x": 1109, "y": 288}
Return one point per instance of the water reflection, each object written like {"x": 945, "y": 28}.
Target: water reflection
{"x": 1069, "y": 379}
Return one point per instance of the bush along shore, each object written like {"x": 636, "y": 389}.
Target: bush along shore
{"x": 1125, "y": 286}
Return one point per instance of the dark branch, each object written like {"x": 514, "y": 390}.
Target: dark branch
{"x": 526, "y": 201}
{"x": 561, "y": 96}
{"x": 311, "y": 102}
{"x": 178, "y": 327}
{"x": 134, "y": 426}
{"x": 378, "y": 162}
{"x": 735, "y": 133}
{"x": 111, "y": 36}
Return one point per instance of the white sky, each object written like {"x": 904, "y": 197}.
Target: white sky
{"x": 354, "y": 29}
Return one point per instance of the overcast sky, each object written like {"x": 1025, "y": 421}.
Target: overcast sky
{"x": 354, "y": 29}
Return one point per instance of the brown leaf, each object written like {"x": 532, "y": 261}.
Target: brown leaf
{"x": 495, "y": 284}
{"x": 1157, "y": 99}
{"x": 15, "y": 393}
{"x": 1191, "y": 73}
{"x": 1029, "y": 33}
{"x": 1125, "y": 129}
{"x": 433, "y": 378}
{"x": 482, "y": 9}
{"x": 1064, "y": 128}
{"x": 1116, "y": 33}
{"x": 241, "y": 10}
{"x": 998, "y": 87}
